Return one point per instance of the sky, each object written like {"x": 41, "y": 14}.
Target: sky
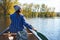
{"x": 49, "y": 3}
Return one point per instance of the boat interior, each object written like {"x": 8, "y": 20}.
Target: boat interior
{"x": 31, "y": 36}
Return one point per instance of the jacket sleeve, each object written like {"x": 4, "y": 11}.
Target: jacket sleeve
{"x": 25, "y": 23}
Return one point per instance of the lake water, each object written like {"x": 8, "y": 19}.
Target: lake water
{"x": 50, "y": 27}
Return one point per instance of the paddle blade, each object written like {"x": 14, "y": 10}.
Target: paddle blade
{"x": 41, "y": 36}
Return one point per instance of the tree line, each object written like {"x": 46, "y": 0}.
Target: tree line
{"x": 36, "y": 10}
{"x": 29, "y": 10}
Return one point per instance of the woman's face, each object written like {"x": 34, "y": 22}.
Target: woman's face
{"x": 19, "y": 10}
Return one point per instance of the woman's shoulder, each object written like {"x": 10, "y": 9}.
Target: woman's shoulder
{"x": 21, "y": 15}
{"x": 12, "y": 14}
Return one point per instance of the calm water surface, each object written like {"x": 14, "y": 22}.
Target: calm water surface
{"x": 50, "y": 27}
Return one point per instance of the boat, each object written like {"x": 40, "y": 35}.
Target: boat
{"x": 31, "y": 36}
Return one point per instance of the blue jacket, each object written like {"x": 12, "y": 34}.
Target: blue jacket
{"x": 18, "y": 23}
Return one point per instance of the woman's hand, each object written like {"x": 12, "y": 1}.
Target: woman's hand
{"x": 34, "y": 29}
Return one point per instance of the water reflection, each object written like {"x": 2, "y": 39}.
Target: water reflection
{"x": 50, "y": 27}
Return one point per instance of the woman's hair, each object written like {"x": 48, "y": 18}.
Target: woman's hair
{"x": 18, "y": 11}
{"x": 17, "y": 8}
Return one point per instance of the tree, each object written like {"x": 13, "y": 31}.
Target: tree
{"x": 37, "y": 7}
{"x": 7, "y": 8}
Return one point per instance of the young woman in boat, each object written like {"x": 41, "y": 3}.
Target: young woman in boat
{"x": 17, "y": 24}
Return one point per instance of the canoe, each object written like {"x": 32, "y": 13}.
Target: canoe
{"x": 31, "y": 36}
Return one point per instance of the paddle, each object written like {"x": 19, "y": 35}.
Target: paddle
{"x": 4, "y": 31}
{"x": 41, "y": 35}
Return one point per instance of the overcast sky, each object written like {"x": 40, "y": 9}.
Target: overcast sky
{"x": 49, "y": 3}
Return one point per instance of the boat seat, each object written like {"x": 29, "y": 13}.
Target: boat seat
{"x": 14, "y": 33}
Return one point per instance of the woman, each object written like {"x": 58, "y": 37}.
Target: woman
{"x": 17, "y": 24}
